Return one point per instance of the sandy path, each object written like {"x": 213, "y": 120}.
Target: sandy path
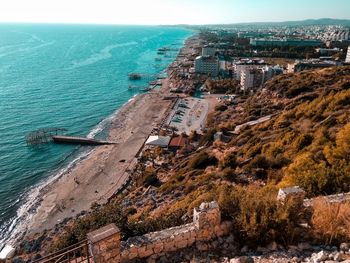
{"x": 98, "y": 176}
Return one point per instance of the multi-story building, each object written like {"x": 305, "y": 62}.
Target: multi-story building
{"x": 251, "y": 78}
{"x": 243, "y": 64}
{"x": 255, "y": 77}
{"x": 347, "y": 60}
{"x": 301, "y": 65}
{"x": 285, "y": 42}
{"x": 207, "y": 65}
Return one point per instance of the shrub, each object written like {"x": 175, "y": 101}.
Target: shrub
{"x": 330, "y": 221}
{"x": 261, "y": 162}
{"x": 221, "y": 107}
{"x": 99, "y": 217}
{"x": 229, "y": 161}
{"x": 303, "y": 141}
{"x": 229, "y": 174}
{"x": 258, "y": 216}
{"x": 148, "y": 178}
{"x": 201, "y": 161}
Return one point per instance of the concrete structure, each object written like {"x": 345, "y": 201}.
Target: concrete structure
{"x": 290, "y": 192}
{"x": 285, "y": 42}
{"x": 207, "y": 65}
{"x": 310, "y": 64}
{"x": 242, "y": 65}
{"x": 161, "y": 141}
{"x": 7, "y": 252}
{"x": 347, "y": 60}
{"x": 251, "y": 78}
{"x": 106, "y": 246}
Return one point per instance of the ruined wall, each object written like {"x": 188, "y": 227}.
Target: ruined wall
{"x": 106, "y": 246}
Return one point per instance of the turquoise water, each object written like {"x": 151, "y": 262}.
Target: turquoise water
{"x": 65, "y": 76}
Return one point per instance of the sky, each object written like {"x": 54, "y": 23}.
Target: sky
{"x": 151, "y": 12}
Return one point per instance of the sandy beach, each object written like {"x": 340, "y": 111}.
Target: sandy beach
{"x": 97, "y": 177}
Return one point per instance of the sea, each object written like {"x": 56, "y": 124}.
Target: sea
{"x": 73, "y": 77}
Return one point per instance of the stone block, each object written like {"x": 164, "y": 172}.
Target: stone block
{"x": 168, "y": 245}
{"x": 158, "y": 249}
{"x": 207, "y": 214}
{"x": 182, "y": 244}
{"x": 133, "y": 255}
{"x": 105, "y": 233}
{"x": 125, "y": 253}
{"x": 143, "y": 253}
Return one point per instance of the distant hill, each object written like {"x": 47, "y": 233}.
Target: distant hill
{"x": 308, "y": 22}
{"x": 321, "y": 21}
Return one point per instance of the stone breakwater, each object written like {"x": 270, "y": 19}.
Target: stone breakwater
{"x": 106, "y": 246}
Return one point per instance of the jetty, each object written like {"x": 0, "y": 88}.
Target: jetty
{"x": 78, "y": 140}
{"x": 52, "y": 135}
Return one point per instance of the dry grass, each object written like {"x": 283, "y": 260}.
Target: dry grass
{"x": 331, "y": 221}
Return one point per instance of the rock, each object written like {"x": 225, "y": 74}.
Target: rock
{"x": 230, "y": 239}
{"x": 304, "y": 246}
{"x": 202, "y": 246}
{"x": 244, "y": 249}
{"x": 262, "y": 250}
{"x": 338, "y": 256}
{"x": 272, "y": 246}
{"x": 296, "y": 260}
{"x": 344, "y": 247}
{"x": 320, "y": 256}
{"x": 215, "y": 244}
{"x": 242, "y": 260}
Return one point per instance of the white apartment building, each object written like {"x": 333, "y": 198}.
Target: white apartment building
{"x": 251, "y": 78}
{"x": 347, "y": 60}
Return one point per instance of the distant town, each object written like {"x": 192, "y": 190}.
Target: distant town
{"x": 252, "y": 55}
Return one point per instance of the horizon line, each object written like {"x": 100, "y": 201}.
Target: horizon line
{"x": 178, "y": 24}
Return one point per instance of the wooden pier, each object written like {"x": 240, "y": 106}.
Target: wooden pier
{"x": 79, "y": 140}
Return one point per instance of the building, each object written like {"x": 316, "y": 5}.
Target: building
{"x": 263, "y": 42}
{"x": 160, "y": 141}
{"x": 242, "y": 65}
{"x": 208, "y": 50}
{"x": 270, "y": 71}
{"x": 207, "y": 65}
{"x": 301, "y": 65}
{"x": 251, "y": 78}
{"x": 347, "y": 60}
{"x": 178, "y": 142}
{"x": 327, "y": 51}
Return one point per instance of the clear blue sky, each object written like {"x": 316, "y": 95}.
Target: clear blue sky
{"x": 169, "y": 11}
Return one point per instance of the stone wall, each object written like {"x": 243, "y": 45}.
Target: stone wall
{"x": 105, "y": 244}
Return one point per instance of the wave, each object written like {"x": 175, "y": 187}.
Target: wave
{"x": 15, "y": 229}
{"x": 105, "y": 53}
{"x": 107, "y": 121}
{"x": 28, "y": 49}
{"x": 17, "y": 226}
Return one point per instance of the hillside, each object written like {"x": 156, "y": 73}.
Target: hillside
{"x": 306, "y": 142}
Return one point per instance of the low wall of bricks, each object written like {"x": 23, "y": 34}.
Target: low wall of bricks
{"x": 106, "y": 246}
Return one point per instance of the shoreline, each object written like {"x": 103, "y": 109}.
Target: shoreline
{"x": 95, "y": 175}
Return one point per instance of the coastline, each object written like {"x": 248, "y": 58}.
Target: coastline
{"x": 97, "y": 173}
{"x": 100, "y": 174}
